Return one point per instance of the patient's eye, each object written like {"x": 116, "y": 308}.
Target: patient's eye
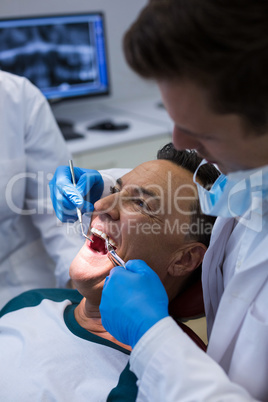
{"x": 141, "y": 203}
{"x": 114, "y": 189}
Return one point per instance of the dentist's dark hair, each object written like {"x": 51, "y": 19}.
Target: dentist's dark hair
{"x": 221, "y": 45}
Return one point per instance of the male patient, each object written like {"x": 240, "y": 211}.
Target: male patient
{"x": 53, "y": 346}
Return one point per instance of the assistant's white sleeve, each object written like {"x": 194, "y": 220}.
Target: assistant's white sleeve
{"x": 45, "y": 150}
{"x": 171, "y": 368}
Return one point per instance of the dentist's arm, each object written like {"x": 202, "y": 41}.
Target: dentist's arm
{"x": 133, "y": 300}
{"x": 168, "y": 364}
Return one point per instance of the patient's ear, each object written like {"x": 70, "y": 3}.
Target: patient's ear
{"x": 187, "y": 259}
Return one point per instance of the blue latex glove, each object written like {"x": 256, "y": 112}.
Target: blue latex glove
{"x": 133, "y": 300}
{"x": 65, "y": 197}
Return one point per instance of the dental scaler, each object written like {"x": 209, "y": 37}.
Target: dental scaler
{"x": 78, "y": 210}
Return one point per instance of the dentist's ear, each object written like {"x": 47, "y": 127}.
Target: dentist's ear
{"x": 187, "y": 260}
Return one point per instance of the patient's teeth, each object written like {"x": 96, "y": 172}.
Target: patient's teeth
{"x": 102, "y": 235}
{"x": 112, "y": 242}
{"x": 98, "y": 232}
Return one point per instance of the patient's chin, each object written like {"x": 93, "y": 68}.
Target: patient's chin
{"x": 89, "y": 265}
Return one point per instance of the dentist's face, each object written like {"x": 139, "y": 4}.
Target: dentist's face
{"x": 146, "y": 216}
{"x": 219, "y": 138}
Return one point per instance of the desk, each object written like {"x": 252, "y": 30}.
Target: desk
{"x": 149, "y": 129}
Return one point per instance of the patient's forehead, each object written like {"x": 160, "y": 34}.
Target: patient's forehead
{"x": 158, "y": 172}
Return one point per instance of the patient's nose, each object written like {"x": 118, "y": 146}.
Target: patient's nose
{"x": 108, "y": 205}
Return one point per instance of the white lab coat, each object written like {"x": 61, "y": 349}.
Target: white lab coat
{"x": 35, "y": 250}
{"x": 235, "y": 284}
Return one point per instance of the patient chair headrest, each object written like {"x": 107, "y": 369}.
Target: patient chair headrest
{"x": 188, "y": 304}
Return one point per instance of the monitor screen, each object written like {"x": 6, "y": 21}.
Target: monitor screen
{"x": 63, "y": 55}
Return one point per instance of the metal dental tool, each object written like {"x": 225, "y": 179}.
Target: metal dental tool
{"x": 78, "y": 211}
{"x": 113, "y": 256}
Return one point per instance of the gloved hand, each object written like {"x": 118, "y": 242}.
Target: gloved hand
{"x": 65, "y": 197}
{"x": 133, "y": 300}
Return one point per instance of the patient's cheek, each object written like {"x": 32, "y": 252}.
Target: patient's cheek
{"x": 144, "y": 229}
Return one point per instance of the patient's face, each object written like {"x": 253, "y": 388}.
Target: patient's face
{"x": 146, "y": 216}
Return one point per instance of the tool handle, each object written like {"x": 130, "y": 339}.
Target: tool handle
{"x": 78, "y": 211}
{"x": 72, "y": 171}
{"x": 117, "y": 260}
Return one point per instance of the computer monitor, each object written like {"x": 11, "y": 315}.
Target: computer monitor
{"x": 65, "y": 56}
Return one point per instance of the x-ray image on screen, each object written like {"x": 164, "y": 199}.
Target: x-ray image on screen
{"x": 63, "y": 56}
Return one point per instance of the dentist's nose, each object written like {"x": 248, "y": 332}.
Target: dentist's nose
{"x": 108, "y": 205}
{"x": 183, "y": 141}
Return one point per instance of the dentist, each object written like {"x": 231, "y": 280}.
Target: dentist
{"x": 210, "y": 61}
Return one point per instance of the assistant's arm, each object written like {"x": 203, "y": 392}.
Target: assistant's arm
{"x": 90, "y": 186}
{"x": 45, "y": 149}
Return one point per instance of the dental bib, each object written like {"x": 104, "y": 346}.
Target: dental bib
{"x": 234, "y": 194}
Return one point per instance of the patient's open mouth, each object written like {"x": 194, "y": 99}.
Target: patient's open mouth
{"x": 99, "y": 238}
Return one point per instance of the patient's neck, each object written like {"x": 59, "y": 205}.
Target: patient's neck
{"x": 88, "y": 316}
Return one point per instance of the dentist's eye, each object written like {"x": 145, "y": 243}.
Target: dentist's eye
{"x": 114, "y": 189}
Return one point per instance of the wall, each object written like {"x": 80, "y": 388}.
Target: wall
{"x": 119, "y": 15}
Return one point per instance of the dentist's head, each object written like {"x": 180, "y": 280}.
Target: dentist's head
{"x": 210, "y": 60}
